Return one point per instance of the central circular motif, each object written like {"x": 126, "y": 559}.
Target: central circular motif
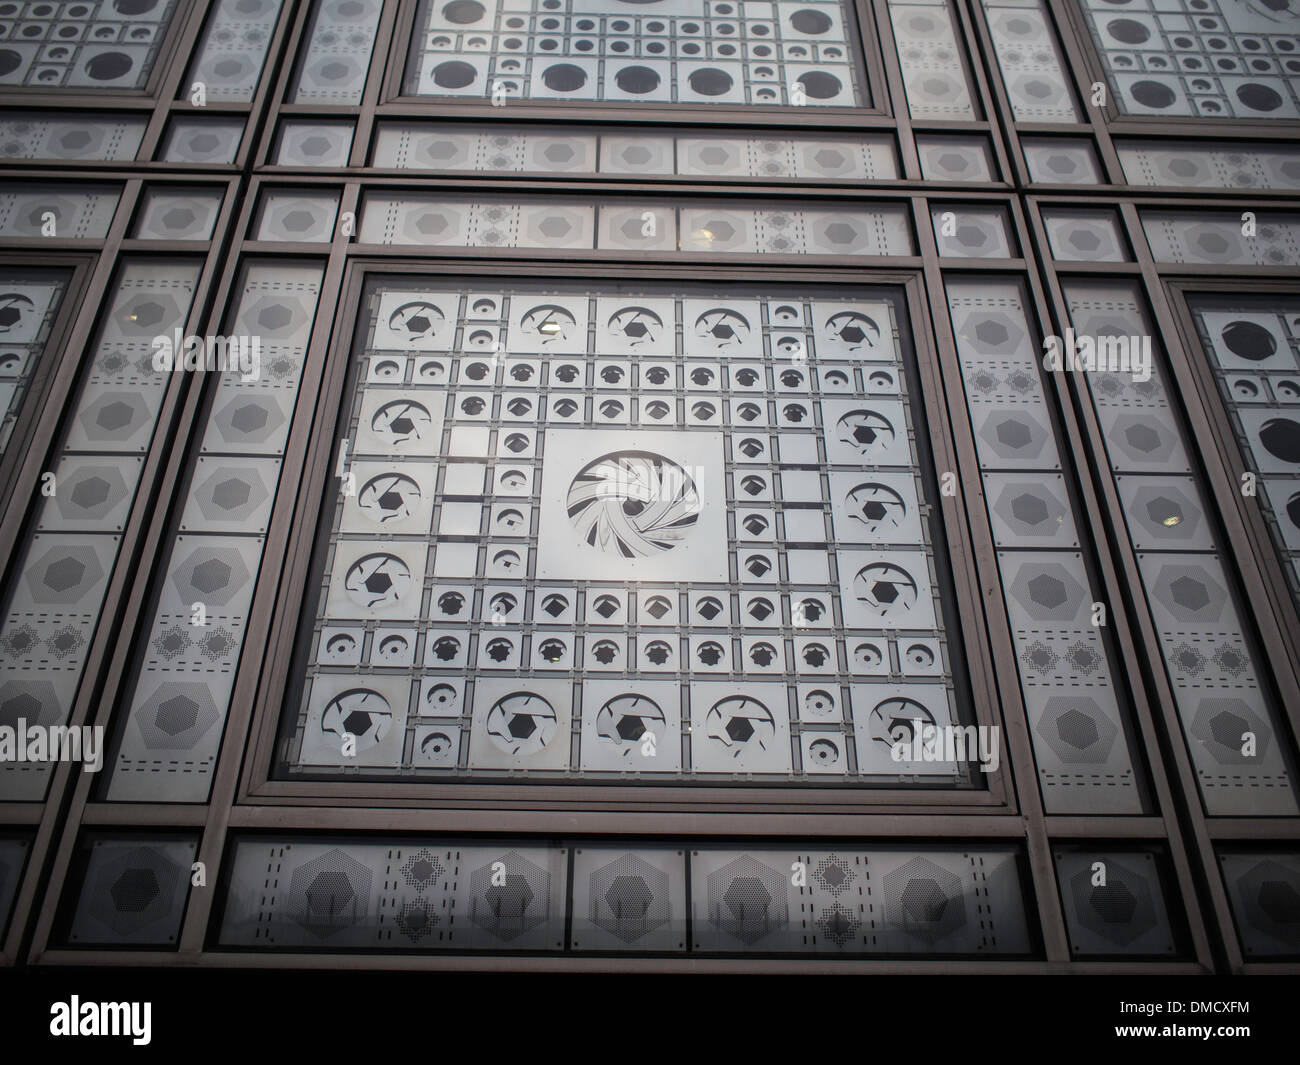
{"x": 633, "y": 504}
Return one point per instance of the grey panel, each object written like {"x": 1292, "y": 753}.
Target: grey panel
{"x": 353, "y": 895}
{"x": 1083, "y": 756}
{"x": 76, "y": 211}
{"x": 202, "y": 140}
{"x": 1114, "y": 904}
{"x": 337, "y": 55}
{"x": 90, "y": 44}
{"x": 55, "y": 606}
{"x": 1207, "y": 58}
{"x": 38, "y": 135}
{"x": 576, "y": 553}
{"x": 934, "y": 76}
{"x": 1030, "y": 61}
{"x": 314, "y": 143}
{"x": 685, "y": 51}
{"x": 134, "y": 893}
{"x": 833, "y": 902}
{"x": 1264, "y": 889}
{"x": 177, "y": 707}
{"x": 176, "y": 214}
{"x": 229, "y": 59}
{"x": 1225, "y": 708}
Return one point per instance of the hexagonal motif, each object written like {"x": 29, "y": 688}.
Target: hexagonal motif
{"x": 747, "y": 899}
{"x": 114, "y": 417}
{"x": 64, "y": 574}
{"x": 924, "y": 899}
{"x": 1077, "y": 729}
{"x": 90, "y": 492}
{"x": 511, "y": 895}
{"x": 1047, "y": 591}
{"x": 1189, "y": 592}
{"x": 131, "y": 891}
{"x": 29, "y": 699}
{"x": 176, "y": 715}
{"x": 1121, "y": 910}
{"x": 1231, "y": 731}
{"x": 330, "y": 893}
{"x": 210, "y": 574}
{"x": 629, "y": 898}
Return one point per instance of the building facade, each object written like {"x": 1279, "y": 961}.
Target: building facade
{"x": 627, "y": 483}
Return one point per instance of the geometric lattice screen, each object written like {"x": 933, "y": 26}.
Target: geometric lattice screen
{"x": 628, "y": 532}
{"x": 679, "y": 52}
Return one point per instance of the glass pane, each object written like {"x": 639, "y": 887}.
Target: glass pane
{"x": 1208, "y": 58}
{"x": 337, "y": 59}
{"x": 934, "y": 76}
{"x": 790, "y": 229}
{"x": 549, "y": 483}
{"x": 170, "y": 735}
{"x": 63, "y": 211}
{"x": 63, "y": 569}
{"x": 85, "y": 44}
{"x": 37, "y": 135}
{"x": 177, "y": 214}
{"x": 1263, "y": 887}
{"x": 701, "y": 52}
{"x": 426, "y": 895}
{"x": 202, "y": 140}
{"x": 1115, "y": 903}
{"x": 29, "y": 302}
{"x": 426, "y": 146}
{"x": 1220, "y": 683}
{"x": 1185, "y": 164}
{"x": 1253, "y": 347}
{"x": 1067, "y": 669}
{"x": 229, "y": 60}
{"x": 1029, "y": 58}
{"x": 131, "y": 891}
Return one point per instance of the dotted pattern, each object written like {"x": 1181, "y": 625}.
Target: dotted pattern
{"x": 431, "y": 895}
{"x": 28, "y": 305}
{"x": 1211, "y": 237}
{"x": 338, "y": 52}
{"x": 464, "y": 584}
{"x": 77, "y": 211}
{"x": 710, "y": 52}
{"x": 1203, "y": 58}
{"x": 229, "y": 61}
{"x": 1222, "y": 166}
{"x": 702, "y": 229}
{"x": 1030, "y": 61}
{"x": 1076, "y": 725}
{"x": 424, "y": 146}
{"x": 1193, "y": 604}
{"x": 1126, "y": 915}
{"x": 134, "y": 893}
{"x": 1262, "y": 888}
{"x": 934, "y": 76}
{"x": 65, "y": 563}
{"x": 436, "y": 896}
{"x": 177, "y": 709}
{"x": 85, "y": 44}
{"x": 33, "y": 135}
{"x": 1254, "y": 349}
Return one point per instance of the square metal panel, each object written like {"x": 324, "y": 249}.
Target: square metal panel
{"x": 615, "y": 598}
